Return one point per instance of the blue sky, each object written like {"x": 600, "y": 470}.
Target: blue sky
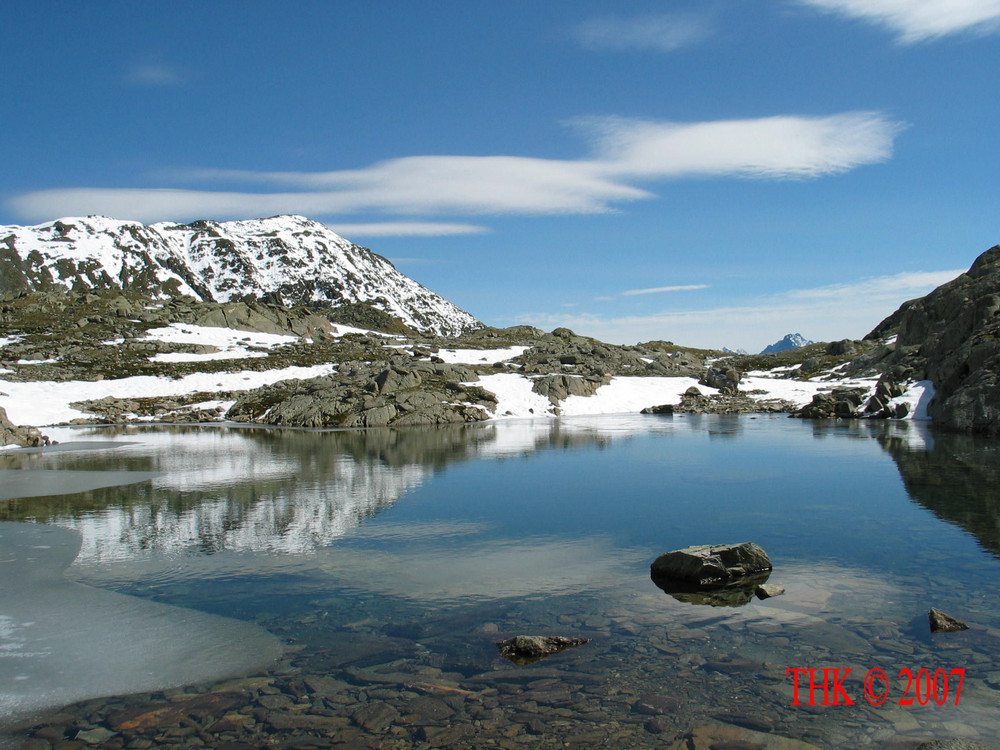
{"x": 713, "y": 172}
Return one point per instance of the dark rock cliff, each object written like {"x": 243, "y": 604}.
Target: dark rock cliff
{"x": 952, "y": 338}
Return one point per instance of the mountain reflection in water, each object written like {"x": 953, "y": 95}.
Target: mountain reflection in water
{"x": 956, "y": 477}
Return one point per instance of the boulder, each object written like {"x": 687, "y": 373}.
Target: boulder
{"x": 711, "y": 564}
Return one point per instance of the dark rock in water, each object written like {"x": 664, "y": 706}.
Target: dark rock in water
{"x": 720, "y": 575}
{"x": 708, "y": 564}
{"x": 527, "y": 649}
{"x": 944, "y": 623}
{"x": 661, "y": 409}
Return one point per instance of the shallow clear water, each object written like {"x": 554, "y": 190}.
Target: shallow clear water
{"x": 381, "y": 554}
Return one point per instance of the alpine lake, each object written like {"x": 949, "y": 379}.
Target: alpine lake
{"x": 233, "y": 587}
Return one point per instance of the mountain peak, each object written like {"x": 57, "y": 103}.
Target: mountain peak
{"x": 294, "y": 258}
{"x": 790, "y": 341}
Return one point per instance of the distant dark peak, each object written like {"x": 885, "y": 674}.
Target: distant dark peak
{"x": 791, "y": 341}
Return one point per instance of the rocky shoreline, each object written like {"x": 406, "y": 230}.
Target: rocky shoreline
{"x": 396, "y": 376}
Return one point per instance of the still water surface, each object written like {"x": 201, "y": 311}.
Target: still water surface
{"x": 374, "y": 555}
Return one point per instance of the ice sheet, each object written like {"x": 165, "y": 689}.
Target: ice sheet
{"x": 62, "y": 642}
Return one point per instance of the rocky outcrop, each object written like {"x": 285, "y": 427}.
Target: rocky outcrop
{"x": 560, "y": 387}
{"x": 724, "y": 379}
{"x": 564, "y": 351}
{"x": 952, "y": 338}
{"x": 24, "y": 436}
{"x": 839, "y": 403}
{"x": 694, "y": 401}
{"x": 371, "y": 394}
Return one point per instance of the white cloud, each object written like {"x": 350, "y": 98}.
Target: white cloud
{"x": 154, "y": 74}
{"x": 826, "y": 313}
{"x": 659, "y": 289}
{"x": 920, "y": 20}
{"x": 406, "y": 229}
{"x": 624, "y": 151}
{"x": 771, "y": 147}
{"x": 663, "y": 32}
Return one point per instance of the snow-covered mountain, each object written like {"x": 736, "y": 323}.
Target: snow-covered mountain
{"x": 791, "y": 341}
{"x": 289, "y": 259}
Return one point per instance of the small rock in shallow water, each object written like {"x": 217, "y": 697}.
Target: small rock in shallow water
{"x": 525, "y": 649}
{"x": 944, "y": 623}
{"x": 767, "y": 590}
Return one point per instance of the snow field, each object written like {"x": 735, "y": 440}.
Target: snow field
{"x": 43, "y": 403}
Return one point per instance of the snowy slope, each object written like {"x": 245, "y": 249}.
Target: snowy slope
{"x": 294, "y": 259}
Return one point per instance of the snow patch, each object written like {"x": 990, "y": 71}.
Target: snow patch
{"x": 514, "y": 395}
{"x": 45, "y": 402}
{"x": 916, "y": 397}
{"x": 631, "y": 394}
{"x": 479, "y": 356}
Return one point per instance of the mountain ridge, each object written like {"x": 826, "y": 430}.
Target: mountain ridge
{"x": 291, "y": 260}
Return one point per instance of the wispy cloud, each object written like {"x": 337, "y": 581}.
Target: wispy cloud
{"x": 899, "y": 286}
{"x": 407, "y": 229}
{"x": 154, "y": 74}
{"x": 770, "y": 147}
{"x": 663, "y": 32}
{"x": 825, "y": 313}
{"x": 659, "y": 289}
{"x": 919, "y": 20}
{"x": 623, "y": 152}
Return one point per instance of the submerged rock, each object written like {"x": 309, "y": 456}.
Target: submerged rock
{"x": 527, "y": 649}
{"x": 944, "y": 623}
